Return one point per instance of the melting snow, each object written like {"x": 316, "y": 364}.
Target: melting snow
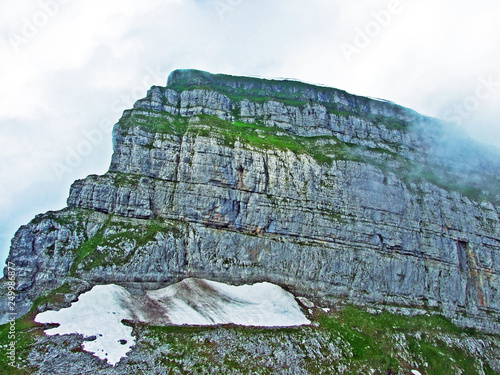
{"x": 203, "y": 302}
{"x": 100, "y": 311}
{"x": 305, "y": 302}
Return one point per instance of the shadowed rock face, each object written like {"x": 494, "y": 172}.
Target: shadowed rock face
{"x": 245, "y": 180}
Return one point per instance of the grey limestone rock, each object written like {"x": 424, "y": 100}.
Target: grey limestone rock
{"x": 185, "y": 196}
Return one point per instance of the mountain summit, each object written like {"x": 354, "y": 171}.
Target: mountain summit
{"x": 348, "y": 201}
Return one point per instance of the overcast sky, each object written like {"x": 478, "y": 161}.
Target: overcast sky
{"x": 69, "y": 68}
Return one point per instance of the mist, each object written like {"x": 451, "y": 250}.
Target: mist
{"x": 70, "y": 68}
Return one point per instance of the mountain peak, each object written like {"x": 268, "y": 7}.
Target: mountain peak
{"x": 341, "y": 199}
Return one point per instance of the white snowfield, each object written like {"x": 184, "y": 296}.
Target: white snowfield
{"x": 100, "y": 311}
{"x": 203, "y": 302}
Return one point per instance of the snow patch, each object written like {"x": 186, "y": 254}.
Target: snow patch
{"x": 306, "y": 302}
{"x": 98, "y": 313}
{"x": 203, "y": 302}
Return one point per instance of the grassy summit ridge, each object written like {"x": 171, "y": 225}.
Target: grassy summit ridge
{"x": 291, "y": 92}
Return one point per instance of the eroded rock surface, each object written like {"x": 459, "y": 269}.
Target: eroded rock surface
{"x": 247, "y": 180}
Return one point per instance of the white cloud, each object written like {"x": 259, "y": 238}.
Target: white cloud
{"x": 88, "y": 63}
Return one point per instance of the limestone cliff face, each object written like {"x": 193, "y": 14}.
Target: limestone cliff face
{"x": 240, "y": 180}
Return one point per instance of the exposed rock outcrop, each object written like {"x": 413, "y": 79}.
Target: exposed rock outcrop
{"x": 242, "y": 180}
